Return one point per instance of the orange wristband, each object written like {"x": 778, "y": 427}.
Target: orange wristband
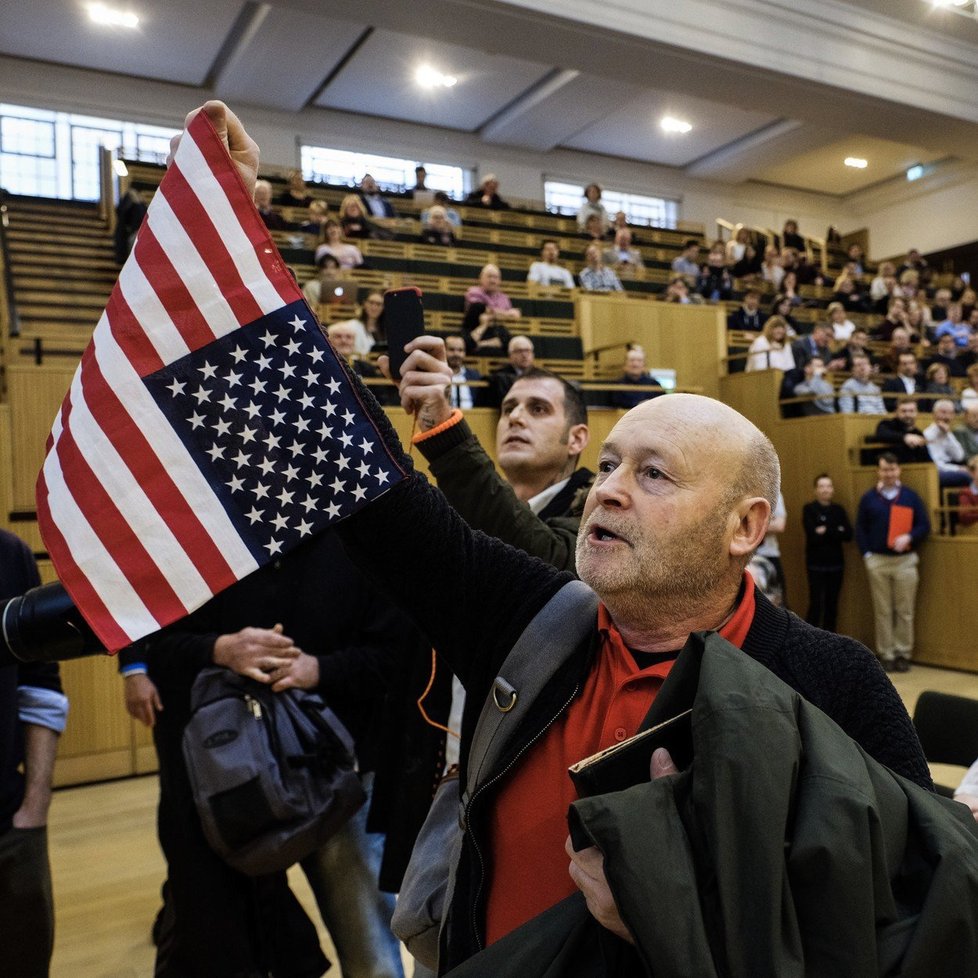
{"x": 450, "y": 422}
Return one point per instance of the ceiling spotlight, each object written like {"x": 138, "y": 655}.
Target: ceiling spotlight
{"x": 669, "y": 124}
{"x": 949, "y": 3}
{"x": 108, "y": 17}
{"x": 428, "y": 77}
{"x": 119, "y": 168}
{"x": 855, "y": 162}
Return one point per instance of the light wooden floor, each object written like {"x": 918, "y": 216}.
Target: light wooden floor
{"x": 108, "y": 868}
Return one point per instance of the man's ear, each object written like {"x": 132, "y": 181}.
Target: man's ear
{"x": 578, "y": 436}
{"x": 752, "y": 516}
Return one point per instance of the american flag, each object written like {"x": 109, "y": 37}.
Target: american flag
{"x": 209, "y": 427}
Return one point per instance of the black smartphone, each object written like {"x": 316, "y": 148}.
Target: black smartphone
{"x": 403, "y": 322}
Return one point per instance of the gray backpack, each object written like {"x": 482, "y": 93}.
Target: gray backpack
{"x": 273, "y": 774}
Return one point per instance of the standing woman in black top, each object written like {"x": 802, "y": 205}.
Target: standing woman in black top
{"x": 827, "y": 527}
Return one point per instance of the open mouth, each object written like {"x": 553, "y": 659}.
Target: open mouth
{"x": 601, "y": 534}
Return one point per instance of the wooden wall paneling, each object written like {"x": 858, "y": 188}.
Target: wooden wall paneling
{"x": 35, "y": 394}
{"x": 6, "y": 469}
{"x": 945, "y": 623}
{"x": 689, "y": 339}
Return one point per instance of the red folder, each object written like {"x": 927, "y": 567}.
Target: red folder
{"x": 901, "y": 521}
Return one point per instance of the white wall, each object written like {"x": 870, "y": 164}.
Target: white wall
{"x": 521, "y": 172}
{"x": 933, "y": 213}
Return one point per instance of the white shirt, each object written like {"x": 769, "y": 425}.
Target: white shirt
{"x": 461, "y": 394}
{"x": 540, "y": 500}
{"x": 545, "y": 274}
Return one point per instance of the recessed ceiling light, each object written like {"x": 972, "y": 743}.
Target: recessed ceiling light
{"x": 428, "y": 77}
{"x": 855, "y": 162}
{"x": 669, "y": 124}
{"x": 950, "y": 3}
{"x": 108, "y": 17}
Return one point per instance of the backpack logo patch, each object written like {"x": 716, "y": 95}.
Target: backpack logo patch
{"x": 220, "y": 738}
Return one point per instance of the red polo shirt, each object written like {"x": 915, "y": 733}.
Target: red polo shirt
{"x": 528, "y": 824}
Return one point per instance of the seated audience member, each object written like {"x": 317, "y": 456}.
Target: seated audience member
{"x": 593, "y": 230}
{"x": 842, "y": 325}
{"x": 438, "y": 230}
{"x": 686, "y": 263}
{"x": 858, "y": 394}
{"x": 592, "y": 207}
{"x": 946, "y": 353}
{"x": 487, "y": 195}
{"x": 848, "y": 291}
{"x": 908, "y": 379}
{"x": 858, "y": 346}
{"x": 348, "y": 255}
{"x": 460, "y": 395}
{"x": 944, "y": 449}
{"x": 741, "y": 254}
{"x": 678, "y": 291}
{"x": 771, "y": 350}
{"x": 969, "y": 302}
{"x": 790, "y": 238}
{"x": 967, "y": 431}
{"x": 896, "y": 318}
{"x": 295, "y": 193}
{"x": 789, "y": 287}
{"x": 827, "y": 527}
{"x": 420, "y": 175}
{"x": 748, "y": 316}
{"x": 374, "y": 203}
{"x": 622, "y": 256}
{"x": 968, "y": 516}
{"x": 619, "y": 221}
{"x": 807, "y": 273}
{"x": 901, "y": 434}
{"x": 443, "y": 200}
{"x": 489, "y": 294}
{"x": 772, "y": 271}
{"x": 954, "y": 326}
{"x": 485, "y": 332}
{"x": 969, "y": 396}
{"x": 936, "y": 383}
{"x": 939, "y": 306}
{"x": 263, "y": 201}
{"x": 884, "y": 283}
{"x": 353, "y": 219}
{"x": 634, "y": 373}
{"x": 855, "y": 258}
{"x": 595, "y": 276}
{"x": 369, "y": 323}
{"x": 782, "y": 306}
{"x": 318, "y": 291}
{"x": 968, "y": 358}
{"x": 715, "y": 283}
{"x": 915, "y": 262}
{"x": 547, "y": 271}
{"x": 520, "y": 352}
{"x": 316, "y": 217}
{"x": 343, "y": 337}
{"x": 818, "y": 343}
{"x": 814, "y": 383}
{"x": 899, "y": 345}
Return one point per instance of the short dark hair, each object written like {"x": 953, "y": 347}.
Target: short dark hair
{"x": 689, "y": 242}
{"x": 547, "y": 241}
{"x": 888, "y": 457}
{"x": 575, "y": 407}
{"x": 820, "y": 476}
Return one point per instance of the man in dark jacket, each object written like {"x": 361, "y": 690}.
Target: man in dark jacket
{"x": 33, "y": 711}
{"x": 308, "y": 621}
{"x": 902, "y": 435}
{"x": 683, "y": 496}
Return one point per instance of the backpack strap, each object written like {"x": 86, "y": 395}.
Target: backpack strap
{"x": 569, "y": 615}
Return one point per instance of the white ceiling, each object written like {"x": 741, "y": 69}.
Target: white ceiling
{"x": 525, "y": 79}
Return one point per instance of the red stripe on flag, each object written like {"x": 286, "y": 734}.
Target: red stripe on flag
{"x": 203, "y": 133}
{"x": 151, "y": 474}
{"x": 171, "y": 291}
{"x": 85, "y": 597}
{"x": 116, "y": 535}
{"x": 211, "y": 248}
{"x": 129, "y": 334}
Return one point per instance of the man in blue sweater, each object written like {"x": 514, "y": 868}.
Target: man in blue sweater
{"x": 891, "y": 523}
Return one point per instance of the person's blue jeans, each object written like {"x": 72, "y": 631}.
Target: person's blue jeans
{"x": 343, "y": 877}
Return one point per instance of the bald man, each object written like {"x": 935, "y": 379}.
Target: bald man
{"x": 682, "y": 498}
